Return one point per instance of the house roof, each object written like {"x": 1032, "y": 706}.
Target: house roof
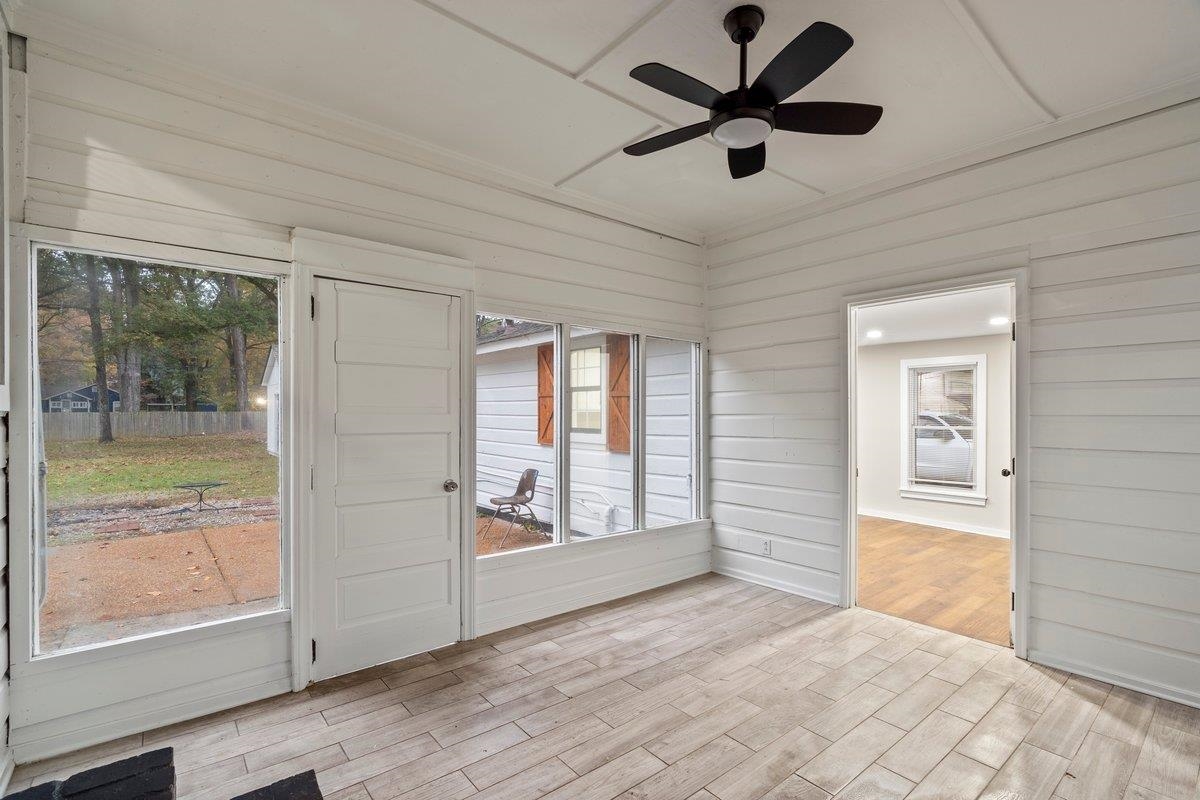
{"x": 77, "y": 390}
{"x": 511, "y": 329}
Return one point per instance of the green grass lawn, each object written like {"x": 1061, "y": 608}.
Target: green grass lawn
{"x": 143, "y": 470}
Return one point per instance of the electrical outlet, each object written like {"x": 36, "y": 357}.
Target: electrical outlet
{"x": 765, "y": 547}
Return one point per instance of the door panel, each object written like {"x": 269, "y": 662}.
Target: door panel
{"x": 387, "y": 426}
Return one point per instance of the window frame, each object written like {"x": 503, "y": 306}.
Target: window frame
{"x": 563, "y": 433}
{"x": 909, "y": 488}
{"x": 25, "y": 626}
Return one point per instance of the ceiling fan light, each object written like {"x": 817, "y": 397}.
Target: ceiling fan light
{"x": 742, "y": 132}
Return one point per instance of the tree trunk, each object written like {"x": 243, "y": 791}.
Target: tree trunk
{"x": 237, "y": 353}
{"x": 191, "y": 386}
{"x": 131, "y": 372}
{"x": 98, "y": 354}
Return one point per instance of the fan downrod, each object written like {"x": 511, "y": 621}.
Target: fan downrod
{"x": 743, "y": 22}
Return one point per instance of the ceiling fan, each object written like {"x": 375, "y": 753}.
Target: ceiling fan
{"x": 742, "y": 119}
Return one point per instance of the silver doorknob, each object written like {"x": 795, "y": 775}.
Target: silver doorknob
{"x": 450, "y": 486}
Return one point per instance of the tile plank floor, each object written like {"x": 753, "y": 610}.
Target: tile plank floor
{"x": 948, "y": 579}
{"x": 708, "y": 688}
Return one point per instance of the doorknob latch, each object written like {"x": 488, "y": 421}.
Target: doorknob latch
{"x": 450, "y": 486}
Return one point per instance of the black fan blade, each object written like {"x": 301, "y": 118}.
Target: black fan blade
{"x": 676, "y": 84}
{"x": 668, "y": 139}
{"x": 801, "y": 62}
{"x": 747, "y": 161}
{"x": 842, "y": 119}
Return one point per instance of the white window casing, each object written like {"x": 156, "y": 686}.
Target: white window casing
{"x": 943, "y": 429}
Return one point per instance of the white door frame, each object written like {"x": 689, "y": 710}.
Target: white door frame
{"x": 1017, "y": 277}
{"x": 305, "y": 379}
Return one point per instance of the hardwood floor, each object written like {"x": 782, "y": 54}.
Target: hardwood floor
{"x": 709, "y": 688}
{"x": 946, "y": 579}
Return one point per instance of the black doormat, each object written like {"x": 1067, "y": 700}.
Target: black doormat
{"x": 298, "y": 787}
{"x": 149, "y": 776}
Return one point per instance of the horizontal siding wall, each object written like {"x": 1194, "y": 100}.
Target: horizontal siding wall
{"x": 162, "y": 155}
{"x": 1107, "y": 221}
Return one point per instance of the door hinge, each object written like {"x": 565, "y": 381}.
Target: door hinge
{"x": 1014, "y": 331}
{"x": 312, "y": 477}
{"x": 1012, "y": 596}
{"x": 1013, "y": 466}
{"x": 314, "y": 651}
{"x": 312, "y": 306}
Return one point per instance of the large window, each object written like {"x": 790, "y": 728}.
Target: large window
{"x": 602, "y": 454}
{"x": 943, "y": 437}
{"x": 158, "y": 498}
{"x": 630, "y": 409}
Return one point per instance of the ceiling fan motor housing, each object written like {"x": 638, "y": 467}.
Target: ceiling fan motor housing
{"x": 743, "y": 22}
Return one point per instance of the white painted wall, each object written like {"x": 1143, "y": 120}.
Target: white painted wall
{"x": 148, "y": 151}
{"x": 506, "y": 442}
{"x": 1110, "y": 220}
{"x": 880, "y": 397}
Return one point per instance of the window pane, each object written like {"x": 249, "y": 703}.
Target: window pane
{"x": 163, "y": 514}
{"x": 514, "y": 434}
{"x": 942, "y": 406}
{"x": 670, "y": 431}
{"x": 601, "y": 457}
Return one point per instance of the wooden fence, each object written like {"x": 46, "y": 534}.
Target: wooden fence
{"x": 67, "y": 426}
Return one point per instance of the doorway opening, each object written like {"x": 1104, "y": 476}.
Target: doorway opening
{"x": 932, "y": 437}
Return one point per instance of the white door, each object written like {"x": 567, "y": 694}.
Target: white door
{"x": 387, "y": 527}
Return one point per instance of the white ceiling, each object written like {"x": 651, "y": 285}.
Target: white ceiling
{"x": 946, "y": 316}
{"x": 541, "y": 88}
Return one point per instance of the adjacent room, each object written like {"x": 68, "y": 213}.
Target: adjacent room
{"x": 625, "y": 400}
{"x": 933, "y": 389}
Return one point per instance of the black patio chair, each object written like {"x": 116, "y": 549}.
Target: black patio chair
{"x": 518, "y": 504}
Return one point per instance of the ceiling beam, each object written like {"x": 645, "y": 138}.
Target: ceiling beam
{"x": 987, "y": 48}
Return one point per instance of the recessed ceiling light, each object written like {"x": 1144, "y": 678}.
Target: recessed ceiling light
{"x": 998, "y": 321}
{"x": 874, "y": 334}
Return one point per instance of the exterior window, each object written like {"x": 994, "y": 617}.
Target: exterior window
{"x": 515, "y": 452}
{"x": 944, "y": 412}
{"x": 587, "y": 397}
{"x": 153, "y": 520}
{"x": 581, "y": 433}
{"x": 672, "y": 434}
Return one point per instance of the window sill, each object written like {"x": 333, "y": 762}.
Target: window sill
{"x": 944, "y": 496}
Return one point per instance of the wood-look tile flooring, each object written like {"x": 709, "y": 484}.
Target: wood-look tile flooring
{"x": 709, "y": 688}
{"x": 947, "y": 579}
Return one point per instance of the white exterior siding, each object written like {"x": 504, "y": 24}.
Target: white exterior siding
{"x": 506, "y": 442}
{"x": 1108, "y": 221}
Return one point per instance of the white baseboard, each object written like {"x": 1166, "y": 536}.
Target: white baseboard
{"x": 999, "y": 533}
{"x": 1175, "y": 694}
{"x": 776, "y": 574}
{"x": 107, "y": 730}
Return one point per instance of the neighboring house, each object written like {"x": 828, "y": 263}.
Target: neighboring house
{"x": 514, "y": 428}
{"x": 270, "y": 382}
{"x": 85, "y": 398}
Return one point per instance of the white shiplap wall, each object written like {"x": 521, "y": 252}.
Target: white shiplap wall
{"x": 159, "y": 154}
{"x": 1107, "y": 222}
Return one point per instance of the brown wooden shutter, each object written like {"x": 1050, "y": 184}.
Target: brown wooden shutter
{"x": 618, "y": 393}
{"x": 545, "y": 397}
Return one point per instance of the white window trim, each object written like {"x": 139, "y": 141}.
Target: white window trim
{"x": 970, "y": 497}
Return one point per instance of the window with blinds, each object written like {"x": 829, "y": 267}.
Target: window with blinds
{"x": 943, "y": 420}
